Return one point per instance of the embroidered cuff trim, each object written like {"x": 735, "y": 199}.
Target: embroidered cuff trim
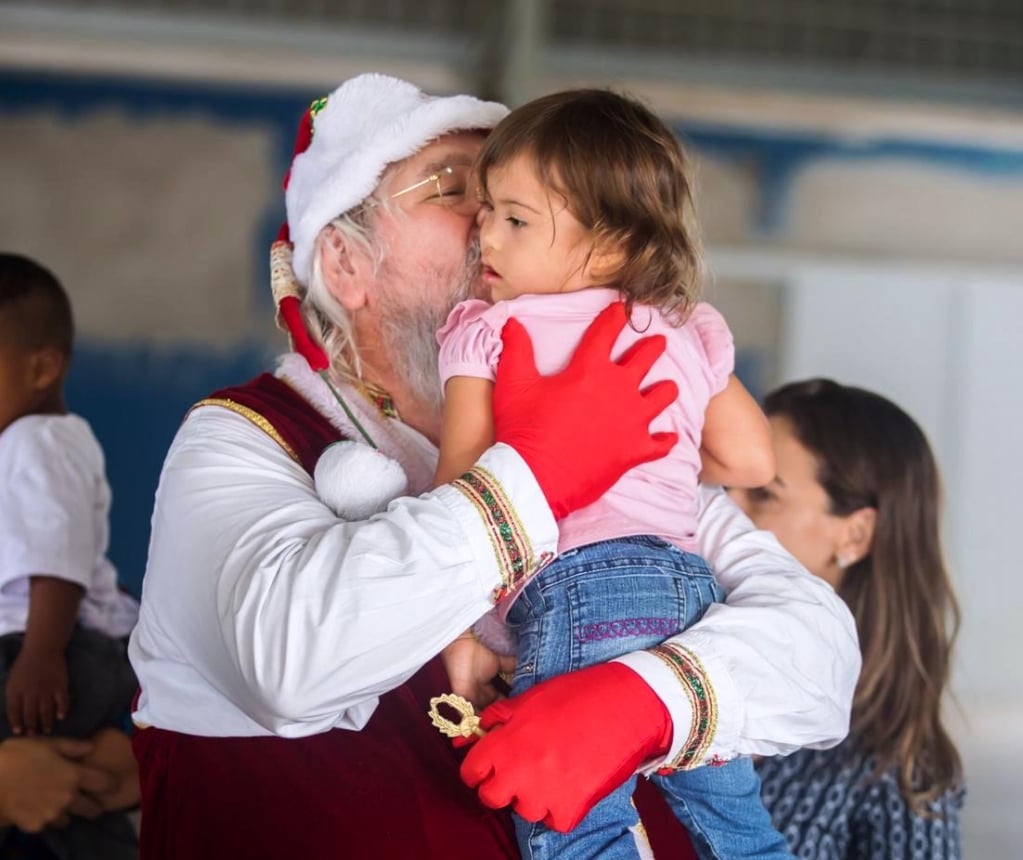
{"x": 511, "y": 545}
{"x": 694, "y": 681}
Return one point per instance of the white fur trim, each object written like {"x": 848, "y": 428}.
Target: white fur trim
{"x": 295, "y": 370}
{"x": 369, "y": 122}
{"x": 355, "y": 481}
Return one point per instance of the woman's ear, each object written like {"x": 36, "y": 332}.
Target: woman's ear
{"x": 344, "y": 270}
{"x": 856, "y": 536}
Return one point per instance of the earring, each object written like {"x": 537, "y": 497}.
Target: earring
{"x": 843, "y": 562}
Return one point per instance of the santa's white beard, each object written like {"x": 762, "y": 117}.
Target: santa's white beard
{"x": 408, "y": 330}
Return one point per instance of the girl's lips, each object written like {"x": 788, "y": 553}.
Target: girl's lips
{"x": 489, "y": 274}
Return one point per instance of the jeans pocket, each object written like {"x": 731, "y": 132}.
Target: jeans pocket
{"x": 614, "y": 615}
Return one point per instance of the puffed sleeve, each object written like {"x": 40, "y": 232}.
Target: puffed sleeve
{"x": 718, "y": 345}
{"x": 470, "y": 341}
{"x": 275, "y": 616}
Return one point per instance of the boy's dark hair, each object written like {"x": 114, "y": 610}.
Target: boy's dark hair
{"x": 36, "y": 301}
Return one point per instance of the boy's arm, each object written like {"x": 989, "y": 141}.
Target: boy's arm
{"x": 736, "y": 449}
{"x": 37, "y": 686}
{"x": 468, "y": 428}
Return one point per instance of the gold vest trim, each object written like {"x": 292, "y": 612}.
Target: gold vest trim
{"x": 253, "y": 416}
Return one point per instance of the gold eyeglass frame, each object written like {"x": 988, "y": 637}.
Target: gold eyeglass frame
{"x": 433, "y": 177}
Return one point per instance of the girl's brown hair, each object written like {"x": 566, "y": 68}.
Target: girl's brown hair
{"x": 872, "y": 454}
{"x": 625, "y": 178}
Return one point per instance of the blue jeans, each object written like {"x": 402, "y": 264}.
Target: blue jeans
{"x": 596, "y": 603}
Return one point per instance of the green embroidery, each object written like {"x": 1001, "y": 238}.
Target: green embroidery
{"x": 511, "y": 545}
{"x": 703, "y": 701}
{"x": 317, "y": 106}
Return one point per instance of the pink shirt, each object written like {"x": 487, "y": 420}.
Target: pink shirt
{"x": 657, "y": 498}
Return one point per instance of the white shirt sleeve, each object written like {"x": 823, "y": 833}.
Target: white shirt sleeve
{"x": 770, "y": 670}
{"x": 49, "y": 470}
{"x": 262, "y": 612}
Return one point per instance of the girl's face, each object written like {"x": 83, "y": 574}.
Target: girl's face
{"x": 529, "y": 241}
{"x": 795, "y": 506}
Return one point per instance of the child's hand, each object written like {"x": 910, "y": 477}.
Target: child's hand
{"x": 37, "y": 691}
{"x": 472, "y": 667}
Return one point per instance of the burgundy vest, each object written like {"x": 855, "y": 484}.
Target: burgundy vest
{"x": 391, "y": 790}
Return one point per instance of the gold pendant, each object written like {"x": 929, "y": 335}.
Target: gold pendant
{"x": 466, "y": 727}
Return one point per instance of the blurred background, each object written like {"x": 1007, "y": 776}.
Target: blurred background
{"x": 860, "y": 167}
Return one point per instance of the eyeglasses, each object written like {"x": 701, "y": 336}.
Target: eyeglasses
{"x": 448, "y": 187}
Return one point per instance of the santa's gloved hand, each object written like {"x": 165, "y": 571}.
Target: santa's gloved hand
{"x": 581, "y": 429}
{"x": 566, "y": 743}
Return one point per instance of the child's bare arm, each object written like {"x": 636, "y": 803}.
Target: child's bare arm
{"x": 468, "y": 428}
{"x": 467, "y": 431}
{"x": 37, "y": 685}
{"x": 736, "y": 449}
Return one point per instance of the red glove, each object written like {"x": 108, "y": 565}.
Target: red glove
{"x": 581, "y": 429}
{"x": 565, "y": 744}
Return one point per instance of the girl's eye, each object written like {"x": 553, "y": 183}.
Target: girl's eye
{"x": 515, "y": 222}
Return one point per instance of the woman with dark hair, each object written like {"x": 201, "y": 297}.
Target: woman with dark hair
{"x": 856, "y": 500}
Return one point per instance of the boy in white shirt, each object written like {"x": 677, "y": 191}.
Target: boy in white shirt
{"x": 63, "y": 665}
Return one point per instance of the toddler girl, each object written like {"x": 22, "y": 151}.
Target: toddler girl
{"x": 586, "y": 201}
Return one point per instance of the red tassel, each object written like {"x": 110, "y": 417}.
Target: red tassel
{"x": 300, "y": 340}
{"x": 288, "y": 308}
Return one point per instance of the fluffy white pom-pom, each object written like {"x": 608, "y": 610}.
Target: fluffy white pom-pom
{"x": 356, "y": 481}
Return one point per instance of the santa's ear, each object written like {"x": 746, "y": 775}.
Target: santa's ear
{"x": 346, "y": 269}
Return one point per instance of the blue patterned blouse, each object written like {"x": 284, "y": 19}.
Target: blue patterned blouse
{"x": 824, "y": 805}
